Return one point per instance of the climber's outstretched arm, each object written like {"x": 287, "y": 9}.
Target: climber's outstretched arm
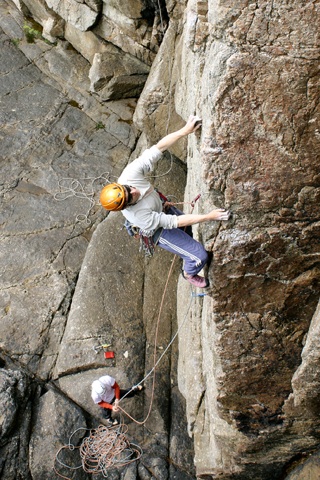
{"x": 193, "y": 218}
{"x": 191, "y": 126}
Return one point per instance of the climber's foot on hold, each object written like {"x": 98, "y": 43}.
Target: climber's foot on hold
{"x": 137, "y": 388}
{"x": 196, "y": 280}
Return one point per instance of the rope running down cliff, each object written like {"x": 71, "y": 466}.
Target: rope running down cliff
{"x": 108, "y": 447}
{"x": 156, "y": 362}
{"x": 104, "y": 447}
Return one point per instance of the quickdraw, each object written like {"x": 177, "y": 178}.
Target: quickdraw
{"x": 147, "y": 245}
{"x": 195, "y": 200}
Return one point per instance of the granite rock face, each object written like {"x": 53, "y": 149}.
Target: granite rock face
{"x": 258, "y": 162}
{"x": 84, "y": 88}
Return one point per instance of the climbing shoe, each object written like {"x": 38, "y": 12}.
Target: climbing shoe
{"x": 137, "y": 388}
{"x": 196, "y": 280}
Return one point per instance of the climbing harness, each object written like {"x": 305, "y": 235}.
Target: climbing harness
{"x": 146, "y": 239}
{"x": 149, "y": 240}
{"x": 104, "y": 448}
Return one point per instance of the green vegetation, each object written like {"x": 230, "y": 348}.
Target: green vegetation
{"x": 31, "y": 33}
{"x": 99, "y": 125}
{"x": 15, "y": 41}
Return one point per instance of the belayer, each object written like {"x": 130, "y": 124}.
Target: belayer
{"x": 106, "y": 393}
{"x": 143, "y": 208}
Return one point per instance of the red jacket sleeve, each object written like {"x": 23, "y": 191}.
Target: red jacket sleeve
{"x": 105, "y": 405}
{"x": 116, "y": 390}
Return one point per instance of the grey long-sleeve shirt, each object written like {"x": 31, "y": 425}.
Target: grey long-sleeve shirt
{"x": 147, "y": 213}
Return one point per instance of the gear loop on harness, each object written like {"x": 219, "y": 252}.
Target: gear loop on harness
{"x": 148, "y": 240}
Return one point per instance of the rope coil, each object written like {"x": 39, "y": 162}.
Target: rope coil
{"x": 83, "y": 188}
{"x": 104, "y": 448}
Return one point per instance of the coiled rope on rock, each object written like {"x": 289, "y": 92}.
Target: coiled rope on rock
{"x": 82, "y": 188}
{"x": 103, "y": 449}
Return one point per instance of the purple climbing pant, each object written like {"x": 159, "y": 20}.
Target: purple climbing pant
{"x": 179, "y": 242}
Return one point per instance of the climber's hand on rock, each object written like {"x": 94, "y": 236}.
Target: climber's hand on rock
{"x": 218, "y": 214}
{"x": 192, "y": 124}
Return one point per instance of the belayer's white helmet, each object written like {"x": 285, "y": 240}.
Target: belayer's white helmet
{"x": 97, "y": 387}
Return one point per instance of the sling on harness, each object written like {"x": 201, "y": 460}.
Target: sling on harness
{"x": 148, "y": 240}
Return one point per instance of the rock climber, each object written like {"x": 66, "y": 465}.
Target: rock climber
{"x": 142, "y": 206}
{"x": 106, "y": 393}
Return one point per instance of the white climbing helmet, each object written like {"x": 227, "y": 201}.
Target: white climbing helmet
{"x": 97, "y": 387}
